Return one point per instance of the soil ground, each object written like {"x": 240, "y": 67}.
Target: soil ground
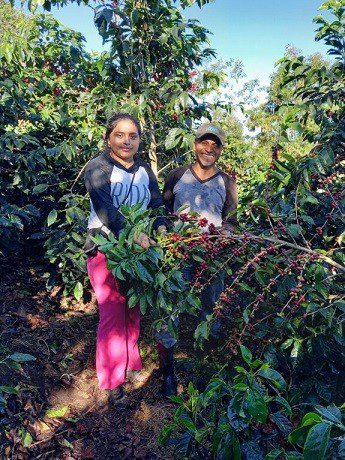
{"x": 60, "y": 333}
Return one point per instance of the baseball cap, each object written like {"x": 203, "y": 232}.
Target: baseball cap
{"x": 211, "y": 128}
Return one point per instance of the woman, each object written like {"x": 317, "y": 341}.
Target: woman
{"x": 114, "y": 178}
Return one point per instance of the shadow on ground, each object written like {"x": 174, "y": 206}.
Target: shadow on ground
{"x": 60, "y": 334}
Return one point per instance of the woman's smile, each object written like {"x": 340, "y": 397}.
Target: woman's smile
{"x": 124, "y": 142}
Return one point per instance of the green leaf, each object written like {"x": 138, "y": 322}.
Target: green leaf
{"x": 15, "y": 365}
{"x": 173, "y": 138}
{"x": 282, "y": 422}
{"x": 201, "y": 434}
{"x": 214, "y": 390}
{"x": 310, "y": 419}
{"x": 39, "y": 188}
{"x": 295, "y": 350}
{"x": 58, "y": 412}
{"x": 298, "y": 435}
{"x": 187, "y": 422}
{"x": 197, "y": 258}
{"x": 236, "y": 448}
{"x": 252, "y": 450}
{"x": 246, "y": 354}
{"x": 193, "y": 300}
{"x": 133, "y": 301}
{"x": 52, "y": 216}
{"x": 118, "y": 273}
{"x": 309, "y": 198}
{"x": 273, "y": 454}
{"x": 274, "y": 376}
{"x": 78, "y": 290}
{"x": 177, "y": 399}
{"x": 240, "y": 387}
{"x": 160, "y": 279}
{"x": 135, "y": 15}
{"x": 283, "y": 402}
{"x": 256, "y": 406}
{"x": 297, "y": 127}
{"x": 317, "y": 441}
{"x": 144, "y": 303}
{"x": 143, "y": 272}
{"x": 246, "y": 315}
{"x": 165, "y": 434}
{"x": 201, "y": 333}
{"x": 22, "y": 357}
{"x": 287, "y": 344}
{"x": 236, "y": 421}
{"x": 182, "y": 445}
{"x": 66, "y": 443}
{"x": 241, "y": 370}
{"x": 293, "y": 456}
{"x": 331, "y": 413}
{"x": 26, "y": 438}
{"x": 9, "y": 390}
{"x": 295, "y": 230}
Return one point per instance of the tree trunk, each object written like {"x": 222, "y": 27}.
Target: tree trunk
{"x": 153, "y": 152}
{"x": 153, "y": 145}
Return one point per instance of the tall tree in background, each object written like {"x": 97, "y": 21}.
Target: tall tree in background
{"x": 153, "y": 50}
{"x": 54, "y": 101}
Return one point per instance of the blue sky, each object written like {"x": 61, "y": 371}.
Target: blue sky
{"x": 254, "y": 31}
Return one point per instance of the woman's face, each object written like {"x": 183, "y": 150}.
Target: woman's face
{"x": 124, "y": 141}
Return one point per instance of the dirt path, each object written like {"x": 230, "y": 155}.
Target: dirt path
{"x": 60, "y": 334}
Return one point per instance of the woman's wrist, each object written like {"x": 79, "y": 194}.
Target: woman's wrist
{"x": 162, "y": 229}
{"x": 142, "y": 240}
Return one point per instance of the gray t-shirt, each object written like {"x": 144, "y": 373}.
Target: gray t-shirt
{"x": 214, "y": 198}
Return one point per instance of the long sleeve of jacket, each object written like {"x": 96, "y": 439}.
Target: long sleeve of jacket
{"x": 97, "y": 181}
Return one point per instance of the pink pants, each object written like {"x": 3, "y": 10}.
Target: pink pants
{"x": 118, "y": 329}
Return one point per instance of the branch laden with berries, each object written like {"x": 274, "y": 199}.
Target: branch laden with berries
{"x": 270, "y": 280}
{"x": 155, "y": 277}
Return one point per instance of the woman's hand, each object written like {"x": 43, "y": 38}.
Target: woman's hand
{"x": 143, "y": 240}
{"x": 162, "y": 229}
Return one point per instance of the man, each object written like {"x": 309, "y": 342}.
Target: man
{"x": 203, "y": 188}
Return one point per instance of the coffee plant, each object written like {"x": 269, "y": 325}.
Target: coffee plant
{"x": 247, "y": 416}
{"x": 278, "y": 393}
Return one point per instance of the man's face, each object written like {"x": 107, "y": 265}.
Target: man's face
{"x": 207, "y": 150}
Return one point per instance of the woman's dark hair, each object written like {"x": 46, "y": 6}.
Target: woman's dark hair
{"x": 115, "y": 118}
